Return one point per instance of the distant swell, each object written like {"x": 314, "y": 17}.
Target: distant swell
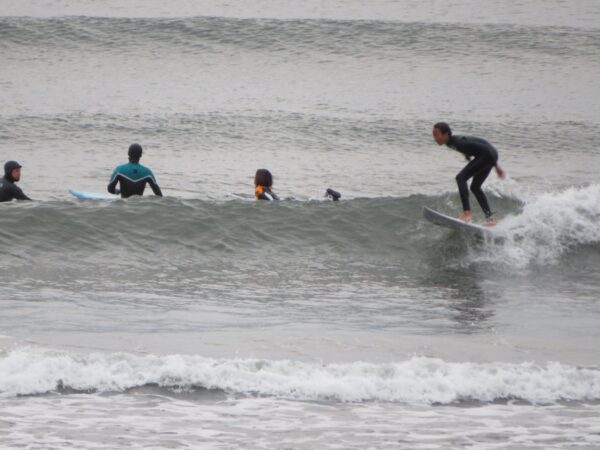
{"x": 368, "y": 38}
{"x": 417, "y": 380}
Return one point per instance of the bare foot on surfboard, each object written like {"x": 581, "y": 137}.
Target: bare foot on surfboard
{"x": 490, "y": 222}
{"x": 466, "y": 217}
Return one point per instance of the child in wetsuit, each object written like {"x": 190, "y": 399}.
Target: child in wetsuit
{"x": 263, "y": 183}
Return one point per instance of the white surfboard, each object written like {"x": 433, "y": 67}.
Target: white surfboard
{"x": 92, "y": 196}
{"x": 452, "y": 222}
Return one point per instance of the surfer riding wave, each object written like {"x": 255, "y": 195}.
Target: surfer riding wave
{"x": 482, "y": 157}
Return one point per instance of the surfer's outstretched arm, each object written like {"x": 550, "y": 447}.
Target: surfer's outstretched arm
{"x": 18, "y": 193}
{"x": 500, "y": 172}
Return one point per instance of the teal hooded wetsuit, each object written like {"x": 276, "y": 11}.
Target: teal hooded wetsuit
{"x": 133, "y": 178}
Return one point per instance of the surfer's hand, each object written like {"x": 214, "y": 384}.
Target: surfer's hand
{"x": 500, "y": 172}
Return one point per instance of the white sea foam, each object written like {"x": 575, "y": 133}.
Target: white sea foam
{"x": 549, "y": 225}
{"x": 418, "y": 380}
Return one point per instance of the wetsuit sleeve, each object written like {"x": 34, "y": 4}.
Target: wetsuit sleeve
{"x": 154, "y": 185}
{"x": 18, "y": 193}
{"x": 113, "y": 182}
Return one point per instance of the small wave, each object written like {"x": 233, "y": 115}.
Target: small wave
{"x": 418, "y": 380}
{"x": 137, "y": 224}
{"x": 540, "y": 232}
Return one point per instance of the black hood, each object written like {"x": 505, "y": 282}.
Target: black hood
{"x": 9, "y": 167}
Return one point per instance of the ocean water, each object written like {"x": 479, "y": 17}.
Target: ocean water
{"x": 208, "y": 320}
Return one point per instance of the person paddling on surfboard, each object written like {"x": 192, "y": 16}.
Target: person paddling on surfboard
{"x": 482, "y": 157}
{"x": 263, "y": 185}
{"x": 8, "y": 189}
{"x": 133, "y": 177}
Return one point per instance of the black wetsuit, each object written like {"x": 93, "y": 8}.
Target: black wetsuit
{"x": 482, "y": 158}
{"x": 9, "y": 190}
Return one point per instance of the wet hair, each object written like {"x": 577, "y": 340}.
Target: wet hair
{"x": 135, "y": 153}
{"x": 263, "y": 178}
{"x": 444, "y": 128}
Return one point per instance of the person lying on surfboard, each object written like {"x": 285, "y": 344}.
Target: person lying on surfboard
{"x": 482, "y": 157}
{"x": 8, "y": 189}
{"x": 263, "y": 185}
{"x": 133, "y": 177}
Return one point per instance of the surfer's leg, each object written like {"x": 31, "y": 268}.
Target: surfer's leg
{"x": 478, "y": 180}
{"x": 463, "y": 176}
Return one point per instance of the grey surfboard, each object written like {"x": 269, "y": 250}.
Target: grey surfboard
{"x": 451, "y": 222}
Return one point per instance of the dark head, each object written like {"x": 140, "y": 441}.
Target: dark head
{"x": 263, "y": 178}
{"x": 135, "y": 153}
{"x": 441, "y": 133}
{"x": 12, "y": 171}
{"x": 332, "y": 195}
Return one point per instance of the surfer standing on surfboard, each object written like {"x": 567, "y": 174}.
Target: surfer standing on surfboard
{"x": 482, "y": 157}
